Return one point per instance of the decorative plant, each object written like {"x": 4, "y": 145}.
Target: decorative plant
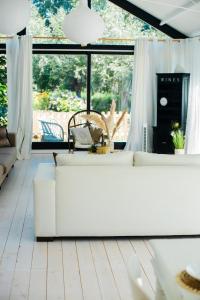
{"x": 178, "y": 137}
{"x": 107, "y": 123}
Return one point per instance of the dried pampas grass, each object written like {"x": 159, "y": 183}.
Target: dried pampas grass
{"x": 95, "y": 119}
{"x": 106, "y": 123}
{"x": 120, "y": 120}
{"x": 110, "y": 118}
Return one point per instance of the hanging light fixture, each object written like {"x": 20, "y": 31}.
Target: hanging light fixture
{"x": 14, "y": 15}
{"x": 83, "y": 25}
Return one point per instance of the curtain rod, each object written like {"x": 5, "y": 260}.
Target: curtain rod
{"x": 101, "y": 39}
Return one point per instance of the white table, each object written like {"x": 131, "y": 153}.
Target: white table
{"x": 171, "y": 257}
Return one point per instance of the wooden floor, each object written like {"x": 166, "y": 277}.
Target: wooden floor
{"x": 72, "y": 270}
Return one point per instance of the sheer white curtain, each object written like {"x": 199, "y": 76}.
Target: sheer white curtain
{"x": 192, "y": 50}
{"x": 19, "y": 60}
{"x": 12, "y": 52}
{"x": 151, "y": 57}
{"x": 141, "y": 92}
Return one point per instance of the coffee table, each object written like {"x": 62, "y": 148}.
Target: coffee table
{"x": 171, "y": 257}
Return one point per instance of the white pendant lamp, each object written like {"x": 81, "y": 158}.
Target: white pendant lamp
{"x": 83, "y": 25}
{"x": 14, "y": 15}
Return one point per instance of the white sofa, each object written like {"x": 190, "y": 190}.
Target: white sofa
{"x": 123, "y": 200}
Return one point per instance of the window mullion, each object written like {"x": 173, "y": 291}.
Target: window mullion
{"x": 89, "y": 74}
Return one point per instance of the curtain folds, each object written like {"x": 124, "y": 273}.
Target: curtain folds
{"x": 153, "y": 57}
{"x": 192, "y": 47}
{"x": 19, "y": 73}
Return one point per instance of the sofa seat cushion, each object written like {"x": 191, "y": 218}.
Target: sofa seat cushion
{"x": 85, "y": 159}
{"x": 153, "y": 159}
{"x": 2, "y": 170}
{"x": 7, "y": 161}
{"x": 8, "y": 150}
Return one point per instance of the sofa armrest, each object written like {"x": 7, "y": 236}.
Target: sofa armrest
{"x": 44, "y": 201}
{"x": 12, "y": 139}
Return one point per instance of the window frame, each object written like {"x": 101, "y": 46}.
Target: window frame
{"x": 73, "y": 49}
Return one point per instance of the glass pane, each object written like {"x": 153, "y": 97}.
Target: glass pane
{"x": 3, "y": 91}
{"x": 59, "y": 90}
{"x": 112, "y": 80}
{"x": 121, "y": 26}
{"x": 47, "y": 18}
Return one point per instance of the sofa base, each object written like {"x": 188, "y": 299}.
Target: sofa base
{"x": 44, "y": 239}
{"x": 147, "y": 237}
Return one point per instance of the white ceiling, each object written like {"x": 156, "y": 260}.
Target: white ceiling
{"x": 185, "y": 14}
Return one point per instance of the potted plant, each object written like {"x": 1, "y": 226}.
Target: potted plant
{"x": 178, "y": 138}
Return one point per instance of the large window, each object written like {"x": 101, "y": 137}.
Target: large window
{"x": 68, "y": 78}
{"x": 59, "y": 90}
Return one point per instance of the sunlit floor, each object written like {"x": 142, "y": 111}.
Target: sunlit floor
{"x": 72, "y": 270}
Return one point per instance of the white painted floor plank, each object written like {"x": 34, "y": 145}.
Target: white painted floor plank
{"x": 9, "y": 256}
{"x": 127, "y": 251}
{"x": 107, "y": 282}
{"x": 21, "y": 278}
{"x": 73, "y": 287}
{"x": 38, "y": 277}
{"x": 55, "y": 273}
{"x": 119, "y": 269}
{"x": 145, "y": 260}
{"x": 9, "y": 198}
{"x": 89, "y": 280}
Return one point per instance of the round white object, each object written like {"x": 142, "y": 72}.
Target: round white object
{"x": 163, "y": 101}
{"x": 82, "y": 25}
{"x": 193, "y": 270}
{"x": 14, "y": 15}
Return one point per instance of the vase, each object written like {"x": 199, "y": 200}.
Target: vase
{"x": 112, "y": 146}
{"x": 179, "y": 151}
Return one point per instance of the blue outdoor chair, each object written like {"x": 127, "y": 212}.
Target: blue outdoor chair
{"x": 51, "y": 132}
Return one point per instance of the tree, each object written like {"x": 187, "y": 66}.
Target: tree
{"x": 47, "y": 8}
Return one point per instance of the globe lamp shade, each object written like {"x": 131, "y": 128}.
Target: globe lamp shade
{"x": 14, "y": 15}
{"x": 82, "y": 25}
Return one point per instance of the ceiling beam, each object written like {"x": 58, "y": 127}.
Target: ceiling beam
{"x": 148, "y": 18}
{"x": 195, "y": 33}
{"x": 177, "y": 12}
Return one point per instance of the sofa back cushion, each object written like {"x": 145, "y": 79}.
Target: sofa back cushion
{"x": 4, "y": 140}
{"x": 153, "y": 159}
{"x": 85, "y": 159}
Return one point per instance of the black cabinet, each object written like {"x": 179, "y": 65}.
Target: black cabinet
{"x": 172, "y": 104}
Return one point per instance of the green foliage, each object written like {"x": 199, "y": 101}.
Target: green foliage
{"x": 65, "y": 72}
{"x": 41, "y": 101}
{"x": 178, "y": 139}
{"x": 3, "y": 76}
{"x": 46, "y": 8}
{"x": 58, "y": 101}
{"x": 3, "y": 92}
{"x": 102, "y": 102}
{"x": 3, "y": 121}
